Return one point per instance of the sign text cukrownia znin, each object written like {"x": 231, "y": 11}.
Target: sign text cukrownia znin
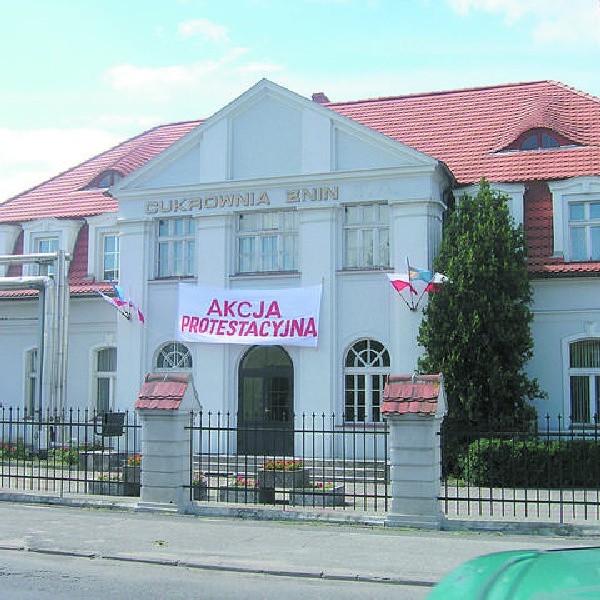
{"x": 288, "y": 317}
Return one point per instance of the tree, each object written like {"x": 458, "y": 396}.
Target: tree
{"x": 476, "y": 330}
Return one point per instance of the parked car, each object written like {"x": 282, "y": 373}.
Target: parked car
{"x": 572, "y": 573}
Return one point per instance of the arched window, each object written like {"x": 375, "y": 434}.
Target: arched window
{"x": 584, "y": 380}
{"x": 105, "y": 377}
{"x": 366, "y": 367}
{"x": 539, "y": 139}
{"x": 174, "y": 356}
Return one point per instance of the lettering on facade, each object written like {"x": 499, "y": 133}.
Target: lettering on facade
{"x": 239, "y": 200}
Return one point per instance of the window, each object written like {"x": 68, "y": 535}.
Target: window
{"x": 366, "y": 236}
{"x": 584, "y": 230}
{"x": 45, "y": 246}
{"x": 267, "y": 242}
{"x": 31, "y": 381}
{"x": 366, "y": 368}
{"x": 174, "y": 356}
{"x": 176, "y": 246}
{"x": 110, "y": 257}
{"x": 104, "y": 180}
{"x": 539, "y": 139}
{"x": 584, "y": 376}
{"x": 105, "y": 374}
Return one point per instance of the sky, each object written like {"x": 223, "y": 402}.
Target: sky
{"x": 80, "y": 76}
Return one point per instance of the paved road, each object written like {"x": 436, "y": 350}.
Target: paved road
{"x": 342, "y": 553}
{"x": 34, "y": 576}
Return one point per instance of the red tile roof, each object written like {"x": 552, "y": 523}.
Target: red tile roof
{"x": 64, "y": 196}
{"x": 468, "y": 129}
{"x": 162, "y": 392}
{"x": 406, "y": 394}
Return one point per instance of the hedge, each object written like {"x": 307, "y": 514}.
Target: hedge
{"x": 541, "y": 464}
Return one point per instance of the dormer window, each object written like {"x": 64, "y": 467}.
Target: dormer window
{"x": 104, "y": 180}
{"x": 539, "y": 139}
{"x": 584, "y": 230}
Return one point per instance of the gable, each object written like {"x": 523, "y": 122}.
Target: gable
{"x": 266, "y": 140}
{"x": 271, "y": 132}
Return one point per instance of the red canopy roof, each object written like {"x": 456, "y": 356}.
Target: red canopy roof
{"x": 162, "y": 392}
{"x": 412, "y": 394}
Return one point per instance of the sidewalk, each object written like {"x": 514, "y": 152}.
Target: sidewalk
{"x": 348, "y": 552}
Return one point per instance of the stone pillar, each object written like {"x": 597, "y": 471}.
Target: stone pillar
{"x": 415, "y": 406}
{"x": 165, "y": 469}
{"x": 415, "y": 471}
{"x": 164, "y": 406}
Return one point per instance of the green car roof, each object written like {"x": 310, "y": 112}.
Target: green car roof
{"x": 524, "y": 575}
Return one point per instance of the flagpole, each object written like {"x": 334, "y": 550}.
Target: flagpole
{"x": 410, "y": 289}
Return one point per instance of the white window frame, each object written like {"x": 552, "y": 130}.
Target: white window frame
{"x": 267, "y": 242}
{"x": 181, "y": 245}
{"x": 587, "y": 224}
{"x": 64, "y": 230}
{"x": 577, "y": 189}
{"x": 116, "y": 252}
{"x": 53, "y": 243}
{"x": 110, "y": 376}
{"x": 365, "y": 369}
{"x": 593, "y": 375}
{"x": 369, "y": 254}
{"x": 177, "y": 356}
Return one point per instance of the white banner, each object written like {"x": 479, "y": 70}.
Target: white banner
{"x": 289, "y": 317}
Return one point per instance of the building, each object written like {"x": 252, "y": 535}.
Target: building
{"x": 276, "y": 196}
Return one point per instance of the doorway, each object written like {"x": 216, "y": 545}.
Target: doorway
{"x": 266, "y": 402}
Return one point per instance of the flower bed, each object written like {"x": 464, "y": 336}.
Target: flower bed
{"x": 246, "y": 491}
{"x": 283, "y": 474}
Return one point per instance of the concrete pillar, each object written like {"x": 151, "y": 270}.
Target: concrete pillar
{"x": 165, "y": 469}
{"x": 415, "y": 471}
{"x": 164, "y": 406}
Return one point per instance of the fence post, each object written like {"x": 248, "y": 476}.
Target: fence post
{"x": 414, "y": 408}
{"x": 163, "y": 405}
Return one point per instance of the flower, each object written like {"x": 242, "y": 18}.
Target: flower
{"x": 323, "y": 485}
{"x": 135, "y": 460}
{"x": 283, "y": 465}
{"x": 244, "y": 482}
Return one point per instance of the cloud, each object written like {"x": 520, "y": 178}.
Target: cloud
{"x": 207, "y": 30}
{"x": 565, "y": 21}
{"x": 29, "y": 157}
{"x": 199, "y": 86}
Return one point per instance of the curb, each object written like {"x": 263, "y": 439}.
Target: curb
{"x": 173, "y": 562}
{"x": 272, "y": 513}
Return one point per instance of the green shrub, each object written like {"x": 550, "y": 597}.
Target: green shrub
{"x": 498, "y": 462}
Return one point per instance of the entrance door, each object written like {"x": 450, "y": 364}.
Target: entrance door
{"x": 266, "y": 402}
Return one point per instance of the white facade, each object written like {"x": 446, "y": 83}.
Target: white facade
{"x": 275, "y": 191}
{"x": 274, "y": 152}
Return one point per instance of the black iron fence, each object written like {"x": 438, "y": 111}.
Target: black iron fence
{"x": 313, "y": 460}
{"x": 71, "y": 451}
{"x": 548, "y": 473}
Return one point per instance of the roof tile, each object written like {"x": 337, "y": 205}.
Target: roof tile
{"x": 408, "y": 394}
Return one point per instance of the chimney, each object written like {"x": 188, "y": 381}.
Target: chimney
{"x": 320, "y": 97}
